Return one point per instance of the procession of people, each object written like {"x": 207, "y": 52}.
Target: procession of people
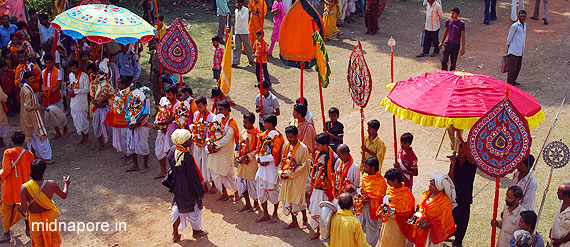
{"x": 201, "y": 148}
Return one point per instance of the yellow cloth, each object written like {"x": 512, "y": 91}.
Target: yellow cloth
{"x": 293, "y": 188}
{"x": 9, "y": 214}
{"x": 40, "y": 234}
{"x": 346, "y": 231}
{"x": 330, "y": 16}
{"x": 249, "y": 139}
{"x": 225, "y": 81}
{"x": 30, "y": 118}
{"x": 221, "y": 162}
{"x": 391, "y": 234}
{"x": 180, "y": 136}
{"x": 162, "y": 30}
{"x": 43, "y": 201}
{"x": 377, "y": 146}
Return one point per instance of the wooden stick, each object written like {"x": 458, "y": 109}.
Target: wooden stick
{"x": 362, "y": 130}
{"x": 440, "y": 143}
{"x": 302, "y": 64}
{"x": 322, "y": 104}
{"x": 495, "y": 205}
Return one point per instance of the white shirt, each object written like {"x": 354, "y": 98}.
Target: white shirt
{"x": 242, "y": 19}
{"x": 80, "y": 102}
{"x": 59, "y": 78}
{"x": 46, "y": 32}
{"x": 528, "y": 185}
{"x": 561, "y": 226}
{"x": 510, "y": 222}
{"x": 353, "y": 172}
{"x": 516, "y": 38}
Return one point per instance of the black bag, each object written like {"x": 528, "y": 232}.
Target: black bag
{"x": 168, "y": 181}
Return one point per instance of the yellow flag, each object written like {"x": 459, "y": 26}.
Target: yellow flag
{"x": 226, "y": 74}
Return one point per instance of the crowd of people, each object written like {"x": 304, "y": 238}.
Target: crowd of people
{"x": 197, "y": 146}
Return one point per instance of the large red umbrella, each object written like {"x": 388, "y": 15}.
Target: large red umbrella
{"x": 444, "y": 98}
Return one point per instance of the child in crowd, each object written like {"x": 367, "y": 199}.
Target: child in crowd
{"x": 167, "y": 80}
{"x": 373, "y": 145}
{"x": 260, "y": 55}
{"x": 218, "y": 55}
{"x": 334, "y": 128}
{"x": 7, "y": 76}
{"x": 407, "y": 160}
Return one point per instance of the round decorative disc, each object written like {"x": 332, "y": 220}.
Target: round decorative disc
{"x": 556, "y": 154}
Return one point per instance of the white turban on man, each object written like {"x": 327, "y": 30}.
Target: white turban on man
{"x": 444, "y": 183}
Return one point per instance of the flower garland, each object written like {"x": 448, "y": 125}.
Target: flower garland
{"x": 243, "y": 146}
{"x": 162, "y": 114}
{"x": 75, "y": 84}
{"x": 101, "y": 89}
{"x": 289, "y": 164}
{"x": 319, "y": 177}
{"x": 358, "y": 204}
{"x": 199, "y": 129}
{"x": 181, "y": 115}
{"x": 266, "y": 146}
{"x": 119, "y": 102}
{"x": 135, "y": 107}
{"x": 340, "y": 178}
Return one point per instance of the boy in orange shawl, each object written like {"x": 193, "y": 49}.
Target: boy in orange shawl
{"x": 247, "y": 167}
{"x": 15, "y": 172}
{"x": 433, "y": 221}
{"x": 51, "y": 96}
{"x": 37, "y": 202}
{"x": 268, "y": 157}
{"x": 373, "y": 189}
{"x": 321, "y": 175}
{"x": 397, "y": 208}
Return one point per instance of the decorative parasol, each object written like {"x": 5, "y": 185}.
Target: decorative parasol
{"x": 177, "y": 51}
{"x": 444, "y": 98}
{"x": 102, "y": 23}
{"x": 299, "y": 47}
{"x": 359, "y": 83}
{"x": 498, "y": 142}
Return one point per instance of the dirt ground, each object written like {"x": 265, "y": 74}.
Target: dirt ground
{"x": 102, "y": 192}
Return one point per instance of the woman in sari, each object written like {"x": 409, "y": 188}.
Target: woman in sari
{"x": 330, "y": 17}
{"x": 258, "y": 9}
{"x": 371, "y": 16}
{"x": 278, "y": 11}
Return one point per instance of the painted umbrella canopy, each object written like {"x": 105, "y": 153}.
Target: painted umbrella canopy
{"x": 500, "y": 139}
{"x": 177, "y": 51}
{"x": 102, "y": 23}
{"x": 444, "y": 98}
{"x": 296, "y": 37}
{"x": 358, "y": 76}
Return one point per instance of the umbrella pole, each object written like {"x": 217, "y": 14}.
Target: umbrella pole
{"x": 361, "y": 130}
{"x": 395, "y": 140}
{"x": 158, "y": 41}
{"x": 301, "y": 87}
{"x": 440, "y": 143}
{"x": 322, "y": 105}
{"x": 543, "y": 198}
{"x": 495, "y": 205}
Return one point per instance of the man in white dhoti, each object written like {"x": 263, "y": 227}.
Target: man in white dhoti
{"x": 165, "y": 125}
{"x": 560, "y": 232}
{"x": 221, "y": 151}
{"x": 136, "y": 114}
{"x": 247, "y": 166}
{"x": 321, "y": 177}
{"x": 268, "y": 156}
{"x": 31, "y": 122}
{"x": 52, "y": 98}
{"x": 100, "y": 91}
{"x": 199, "y": 129}
{"x": 116, "y": 118}
{"x": 186, "y": 186}
{"x": 79, "y": 103}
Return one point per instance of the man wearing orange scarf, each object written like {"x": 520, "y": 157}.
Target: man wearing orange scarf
{"x": 51, "y": 96}
{"x": 15, "y": 172}
{"x": 268, "y": 157}
{"x": 373, "y": 188}
{"x": 36, "y": 195}
{"x": 221, "y": 157}
{"x": 258, "y": 9}
{"x": 24, "y": 66}
{"x": 397, "y": 208}
{"x": 293, "y": 174}
{"x": 116, "y": 118}
{"x": 247, "y": 167}
{"x": 433, "y": 220}
{"x": 346, "y": 173}
{"x": 322, "y": 175}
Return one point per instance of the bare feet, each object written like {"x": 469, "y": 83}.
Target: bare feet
{"x": 6, "y": 238}
{"x": 176, "y": 237}
{"x": 49, "y": 162}
{"x": 133, "y": 169}
{"x": 274, "y": 219}
{"x": 244, "y": 208}
{"x": 305, "y": 224}
{"x": 65, "y": 131}
{"x": 223, "y": 198}
{"x": 144, "y": 170}
{"x": 199, "y": 233}
{"x": 315, "y": 236}
{"x": 159, "y": 176}
{"x": 264, "y": 218}
{"x": 99, "y": 148}
{"x": 293, "y": 224}
{"x": 85, "y": 144}
{"x": 213, "y": 190}
{"x": 57, "y": 135}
